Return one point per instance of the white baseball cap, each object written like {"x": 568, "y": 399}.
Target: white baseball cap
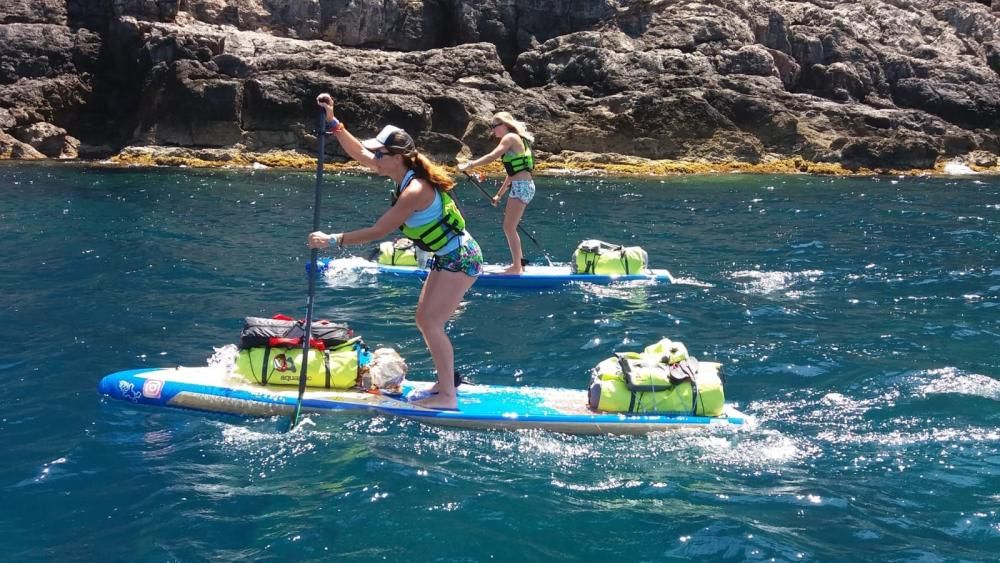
{"x": 392, "y": 138}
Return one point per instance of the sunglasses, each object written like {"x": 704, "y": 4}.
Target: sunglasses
{"x": 377, "y": 154}
{"x": 495, "y": 125}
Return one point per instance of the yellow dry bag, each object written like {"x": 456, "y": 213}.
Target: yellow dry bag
{"x": 660, "y": 380}
{"x": 399, "y": 253}
{"x": 330, "y": 369}
{"x": 606, "y": 259}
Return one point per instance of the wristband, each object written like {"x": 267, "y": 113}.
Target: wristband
{"x": 338, "y": 238}
{"x": 334, "y": 125}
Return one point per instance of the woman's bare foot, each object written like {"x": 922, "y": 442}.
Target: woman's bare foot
{"x": 514, "y": 269}
{"x": 434, "y": 388}
{"x": 439, "y": 401}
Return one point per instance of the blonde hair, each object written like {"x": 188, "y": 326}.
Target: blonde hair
{"x": 514, "y": 125}
{"x": 427, "y": 169}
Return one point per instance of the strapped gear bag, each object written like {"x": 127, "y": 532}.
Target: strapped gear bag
{"x": 603, "y": 258}
{"x": 271, "y": 353}
{"x": 286, "y": 331}
{"x": 400, "y": 252}
{"x": 660, "y": 380}
{"x": 327, "y": 368}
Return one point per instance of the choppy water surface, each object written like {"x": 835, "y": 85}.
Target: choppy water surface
{"x": 858, "y": 320}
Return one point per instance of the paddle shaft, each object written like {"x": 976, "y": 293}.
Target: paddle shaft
{"x": 313, "y": 270}
{"x": 488, "y": 196}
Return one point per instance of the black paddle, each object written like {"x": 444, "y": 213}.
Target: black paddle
{"x": 520, "y": 226}
{"x": 313, "y": 270}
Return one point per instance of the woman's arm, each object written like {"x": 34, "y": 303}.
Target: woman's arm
{"x": 417, "y": 196}
{"x": 503, "y": 189}
{"x": 350, "y": 143}
{"x": 503, "y": 146}
{"x": 388, "y": 222}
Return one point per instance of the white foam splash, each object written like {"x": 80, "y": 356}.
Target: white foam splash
{"x": 224, "y": 356}
{"x": 691, "y": 281}
{"x": 950, "y": 380}
{"x": 957, "y": 168}
{"x": 350, "y": 272}
{"x": 265, "y": 451}
{"x": 764, "y": 283}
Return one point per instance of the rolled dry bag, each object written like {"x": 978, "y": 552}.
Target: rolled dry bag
{"x": 606, "y": 259}
{"x": 284, "y": 331}
{"x": 402, "y": 252}
{"x": 641, "y": 383}
{"x": 276, "y": 365}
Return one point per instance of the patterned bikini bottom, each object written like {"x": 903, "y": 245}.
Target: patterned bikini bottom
{"x": 467, "y": 258}
{"x": 523, "y": 190}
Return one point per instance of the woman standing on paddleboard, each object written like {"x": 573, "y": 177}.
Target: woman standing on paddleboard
{"x": 514, "y": 151}
{"x": 426, "y": 214}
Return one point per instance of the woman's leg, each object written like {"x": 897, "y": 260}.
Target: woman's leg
{"x": 442, "y": 293}
{"x": 511, "y": 218}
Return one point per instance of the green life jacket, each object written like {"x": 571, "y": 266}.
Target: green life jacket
{"x": 515, "y": 163}
{"x": 434, "y": 235}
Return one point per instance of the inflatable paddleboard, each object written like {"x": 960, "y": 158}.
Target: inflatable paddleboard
{"x": 533, "y": 276}
{"x": 213, "y": 389}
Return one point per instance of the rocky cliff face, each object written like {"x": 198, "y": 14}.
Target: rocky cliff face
{"x": 876, "y": 84}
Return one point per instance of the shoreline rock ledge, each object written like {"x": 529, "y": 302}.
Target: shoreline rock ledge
{"x": 632, "y": 86}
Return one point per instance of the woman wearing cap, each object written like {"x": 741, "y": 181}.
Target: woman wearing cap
{"x": 426, "y": 214}
{"x": 514, "y": 151}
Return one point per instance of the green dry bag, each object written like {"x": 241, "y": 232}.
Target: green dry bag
{"x": 402, "y": 252}
{"x": 606, "y": 259}
{"x": 329, "y": 369}
{"x": 647, "y": 383}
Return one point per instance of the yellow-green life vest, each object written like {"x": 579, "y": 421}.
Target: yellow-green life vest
{"x": 515, "y": 163}
{"x": 433, "y": 235}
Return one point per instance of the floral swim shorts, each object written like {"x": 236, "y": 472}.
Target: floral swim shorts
{"x": 523, "y": 190}
{"x": 467, "y": 258}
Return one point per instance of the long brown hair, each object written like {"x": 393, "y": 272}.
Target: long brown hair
{"x": 427, "y": 169}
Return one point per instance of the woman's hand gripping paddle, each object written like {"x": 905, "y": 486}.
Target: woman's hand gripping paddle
{"x": 313, "y": 269}
{"x": 520, "y": 226}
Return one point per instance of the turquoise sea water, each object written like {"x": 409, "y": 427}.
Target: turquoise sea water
{"x": 858, "y": 320}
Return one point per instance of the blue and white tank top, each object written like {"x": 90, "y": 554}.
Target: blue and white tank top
{"x": 432, "y": 212}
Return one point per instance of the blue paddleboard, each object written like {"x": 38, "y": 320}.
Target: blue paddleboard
{"x": 213, "y": 389}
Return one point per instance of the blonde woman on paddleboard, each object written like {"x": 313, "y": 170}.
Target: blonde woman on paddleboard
{"x": 514, "y": 150}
